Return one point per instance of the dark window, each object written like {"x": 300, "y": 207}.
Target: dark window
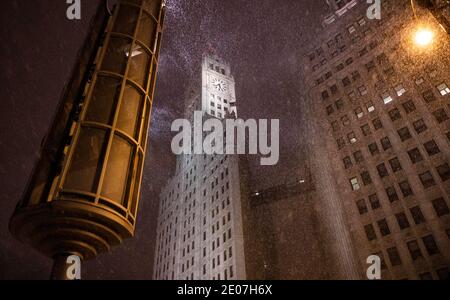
{"x": 440, "y": 115}
{"x": 441, "y": 207}
{"x": 366, "y": 178}
{"x": 386, "y": 143}
{"x": 427, "y": 179}
{"x": 339, "y": 104}
{"x": 374, "y": 201}
{"x": 402, "y": 220}
{"x": 370, "y": 232}
{"x": 409, "y": 106}
{"x": 362, "y": 207}
{"x": 428, "y": 96}
{"x": 404, "y": 134}
{"x": 381, "y": 256}
{"x": 392, "y": 194}
{"x": 330, "y": 109}
{"x": 444, "y": 171}
{"x": 420, "y": 126}
{"x": 335, "y": 125}
{"x": 417, "y": 215}
{"x": 377, "y": 123}
{"x": 431, "y": 147}
{"x": 370, "y": 66}
{"x": 443, "y": 274}
{"x": 405, "y": 188}
{"x": 415, "y": 155}
{"x": 448, "y": 135}
{"x": 430, "y": 245}
{"x": 414, "y": 250}
{"x": 395, "y": 164}
{"x": 325, "y": 95}
{"x": 394, "y": 114}
{"x": 394, "y": 257}
{"x": 340, "y": 143}
{"x": 346, "y": 81}
{"x": 355, "y": 75}
{"x": 358, "y": 156}
{"x": 365, "y": 129}
{"x": 382, "y": 170}
{"x": 373, "y": 148}
{"x": 334, "y": 89}
{"x": 384, "y": 227}
{"x": 347, "y": 162}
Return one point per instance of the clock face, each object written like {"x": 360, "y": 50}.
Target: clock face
{"x": 219, "y": 85}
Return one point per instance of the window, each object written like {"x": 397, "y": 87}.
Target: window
{"x": 443, "y": 89}
{"x": 335, "y": 125}
{"x": 351, "y": 29}
{"x": 345, "y": 120}
{"x": 330, "y": 109}
{"x": 325, "y": 95}
{"x": 370, "y": 232}
{"x": 444, "y": 171}
{"x": 414, "y": 250}
{"x": 420, "y": 126}
{"x": 404, "y": 134}
{"x": 419, "y": 80}
{"x": 362, "y": 90}
{"x": 340, "y": 142}
{"x": 440, "y": 115}
{"x": 377, "y": 123}
{"x": 394, "y": 114}
{"x": 347, "y": 162}
{"x": 394, "y": 257}
{"x": 365, "y": 129}
{"x": 356, "y": 75}
{"x": 334, "y": 89}
{"x": 395, "y": 164}
{"x": 400, "y": 90}
{"x": 415, "y": 155}
{"x": 391, "y": 194}
{"x": 354, "y": 183}
{"x": 417, "y": 215}
{"x": 405, "y": 188}
{"x": 386, "y": 143}
{"x": 441, "y": 207}
{"x": 346, "y": 81}
{"x": 430, "y": 245}
{"x": 382, "y": 170}
{"x": 339, "y": 104}
{"x": 387, "y": 98}
{"x": 373, "y": 148}
{"x": 358, "y": 156}
{"x": 409, "y": 106}
{"x": 362, "y": 207}
{"x": 431, "y": 147}
{"x": 362, "y": 22}
{"x": 366, "y": 178}
{"x": 428, "y": 96}
{"x": 370, "y": 66}
{"x": 384, "y": 227}
{"x": 374, "y": 201}
{"x": 369, "y": 106}
{"x": 352, "y": 137}
{"x": 402, "y": 220}
{"x": 427, "y": 179}
{"x": 359, "y": 113}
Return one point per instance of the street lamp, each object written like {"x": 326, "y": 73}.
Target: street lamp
{"x": 82, "y": 197}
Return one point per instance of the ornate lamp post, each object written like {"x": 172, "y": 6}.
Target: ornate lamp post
{"x": 82, "y": 197}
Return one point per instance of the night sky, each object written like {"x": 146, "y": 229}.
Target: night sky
{"x": 261, "y": 39}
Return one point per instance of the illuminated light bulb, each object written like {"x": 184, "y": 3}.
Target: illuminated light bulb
{"x": 424, "y": 37}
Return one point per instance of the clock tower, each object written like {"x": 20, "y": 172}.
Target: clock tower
{"x": 218, "y": 88}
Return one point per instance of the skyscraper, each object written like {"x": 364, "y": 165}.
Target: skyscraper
{"x": 200, "y": 225}
{"x": 379, "y": 108}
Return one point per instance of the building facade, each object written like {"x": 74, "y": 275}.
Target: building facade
{"x": 200, "y": 225}
{"x": 380, "y": 134}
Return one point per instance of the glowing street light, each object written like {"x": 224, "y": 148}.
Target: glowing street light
{"x": 424, "y": 37}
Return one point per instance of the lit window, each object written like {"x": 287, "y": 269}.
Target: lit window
{"x": 352, "y": 138}
{"x": 362, "y": 90}
{"x": 362, "y": 22}
{"x": 354, "y": 183}
{"x": 419, "y": 81}
{"x": 370, "y": 107}
{"x": 345, "y": 120}
{"x": 400, "y": 90}
{"x": 351, "y": 29}
{"x": 443, "y": 89}
{"x": 359, "y": 112}
{"x": 387, "y": 98}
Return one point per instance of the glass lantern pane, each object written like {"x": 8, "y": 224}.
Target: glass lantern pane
{"x": 118, "y": 170}
{"x": 86, "y": 164}
{"x": 126, "y": 19}
{"x": 130, "y": 112}
{"x": 116, "y": 55}
{"x": 139, "y": 66}
{"x": 103, "y": 100}
{"x": 147, "y": 30}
